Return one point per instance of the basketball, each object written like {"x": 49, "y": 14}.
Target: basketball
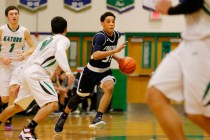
{"x": 127, "y": 65}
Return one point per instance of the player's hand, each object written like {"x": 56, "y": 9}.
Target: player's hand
{"x": 119, "y": 60}
{"x": 122, "y": 46}
{"x": 162, "y": 6}
{"x": 6, "y": 61}
{"x": 21, "y": 56}
{"x": 70, "y": 79}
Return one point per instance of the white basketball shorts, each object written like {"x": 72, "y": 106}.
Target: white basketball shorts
{"x": 185, "y": 75}
{"x": 23, "y": 99}
{"x": 38, "y": 83}
{"x": 10, "y": 75}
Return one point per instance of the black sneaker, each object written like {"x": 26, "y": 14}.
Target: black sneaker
{"x": 97, "y": 123}
{"x": 28, "y": 134}
{"x": 60, "y": 123}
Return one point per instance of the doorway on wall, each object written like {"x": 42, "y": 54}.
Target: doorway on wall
{"x": 142, "y": 49}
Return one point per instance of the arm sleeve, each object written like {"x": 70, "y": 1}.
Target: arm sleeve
{"x": 186, "y": 7}
{"x": 61, "y": 57}
{"x": 99, "y": 40}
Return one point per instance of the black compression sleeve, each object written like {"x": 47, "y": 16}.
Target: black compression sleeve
{"x": 186, "y": 7}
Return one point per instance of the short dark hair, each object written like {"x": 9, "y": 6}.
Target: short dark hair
{"x": 106, "y": 15}
{"x": 10, "y": 8}
{"x": 58, "y": 25}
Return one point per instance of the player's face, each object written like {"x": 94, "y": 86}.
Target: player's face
{"x": 13, "y": 16}
{"x": 109, "y": 25}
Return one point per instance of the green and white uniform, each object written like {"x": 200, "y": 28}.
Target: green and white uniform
{"x": 42, "y": 64}
{"x": 184, "y": 74}
{"x": 11, "y": 43}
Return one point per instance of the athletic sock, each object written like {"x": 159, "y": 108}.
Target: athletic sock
{"x": 64, "y": 115}
{"x": 99, "y": 114}
{"x": 32, "y": 124}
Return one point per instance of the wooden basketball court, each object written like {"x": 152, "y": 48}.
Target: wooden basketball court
{"x": 132, "y": 125}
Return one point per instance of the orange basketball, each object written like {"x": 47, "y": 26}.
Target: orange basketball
{"x": 127, "y": 65}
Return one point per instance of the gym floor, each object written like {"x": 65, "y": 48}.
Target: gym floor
{"x": 137, "y": 123}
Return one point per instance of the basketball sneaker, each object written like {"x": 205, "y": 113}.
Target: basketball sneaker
{"x": 8, "y": 126}
{"x": 28, "y": 134}
{"x": 60, "y": 123}
{"x": 97, "y": 123}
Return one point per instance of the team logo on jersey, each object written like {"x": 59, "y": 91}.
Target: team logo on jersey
{"x": 77, "y": 5}
{"x": 33, "y": 4}
{"x": 120, "y": 5}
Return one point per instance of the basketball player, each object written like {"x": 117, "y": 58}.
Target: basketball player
{"x": 97, "y": 72}
{"x": 185, "y": 72}
{"x": 12, "y": 55}
{"x": 40, "y": 67}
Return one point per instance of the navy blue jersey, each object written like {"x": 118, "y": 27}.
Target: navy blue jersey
{"x": 103, "y": 42}
{"x": 98, "y": 71}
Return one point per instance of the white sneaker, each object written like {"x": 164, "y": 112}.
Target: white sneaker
{"x": 27, "y": 134}
{"x": 97, "y": 125}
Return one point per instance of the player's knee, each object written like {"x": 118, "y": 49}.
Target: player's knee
{"x": 193, "y": 117}
{"x": 155, "y": 98}
{"x": 5, "y": 99}
{"x": 149, "y": 97}
{"x": 54, "y": 106}
{"x": 16, "y": 108}
{"x": 108, "y": 87}
{"x": 74, "y": 101}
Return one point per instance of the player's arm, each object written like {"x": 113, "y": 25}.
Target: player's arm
{"x": 4, "y": 60}
{"x": 185, "y": 7}
{"x": 98, "y": 45}
{"x": 116, "y": 57}
{"x": 23, "y": 55}
{"x": 62, "y": 60}
{"x": 30, "y": 43}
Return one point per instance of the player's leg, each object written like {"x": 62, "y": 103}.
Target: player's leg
{"x": 165, "y": 114}
{"x": 46, "y": 97}
{"x": 13, "y": 90}
{"x": 44, "y": 112}
{"x": 72, "y": 105}
{"x": 22, "y": 101}
{"x": 84, "y": 87}
{"x": 201, "y": 121}
{"x": 12, "y": 95}
{"x": 4, "y": 92}
{"x": 4, "y": 84}
{"x": 167, "y": 84}
{"x": 107, "y": 85}
{"x": 4, "y": 89}
{"x": 9, "y": 111}
{"x": 62, "y": 96}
